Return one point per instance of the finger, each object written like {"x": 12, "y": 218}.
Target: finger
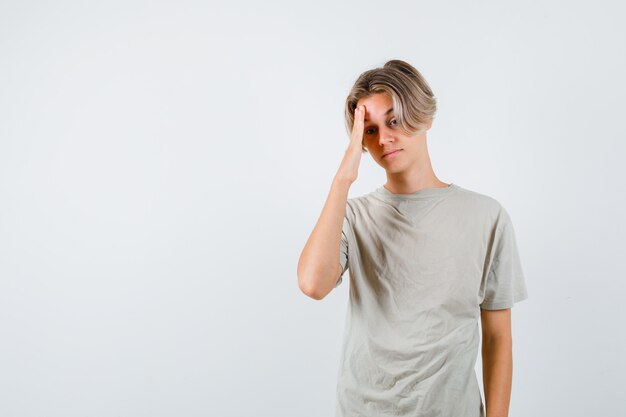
{"x": 359, "y": 115}
{"x": 357, "y": 129}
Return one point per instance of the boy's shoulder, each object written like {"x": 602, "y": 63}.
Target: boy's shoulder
{"x": 469, "y": 195}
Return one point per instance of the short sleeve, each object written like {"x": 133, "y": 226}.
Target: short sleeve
{"x": 503, "y": 283}
{"x": 343, "y": 250}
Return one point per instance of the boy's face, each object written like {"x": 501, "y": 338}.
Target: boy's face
{"x": 390, "y": 147}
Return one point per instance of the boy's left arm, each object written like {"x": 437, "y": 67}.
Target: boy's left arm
{"x": 497, "y": 359}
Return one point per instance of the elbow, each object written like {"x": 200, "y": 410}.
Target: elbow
{"x": 309, "y": 285}
{"x": 314, "y": 294}
{"x": 310, "y": 288}
{"x": 314, "y": 278}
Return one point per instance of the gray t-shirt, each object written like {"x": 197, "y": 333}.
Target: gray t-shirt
{"x": 421, "y": 267}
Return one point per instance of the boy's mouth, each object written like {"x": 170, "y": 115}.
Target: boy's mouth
{"x": 391, "y": 152}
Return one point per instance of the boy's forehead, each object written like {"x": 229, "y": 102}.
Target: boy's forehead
{"x": 384, "y": 112}
{"x": 377, "y": 104}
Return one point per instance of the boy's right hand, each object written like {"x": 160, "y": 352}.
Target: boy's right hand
{"x": 349, "y": 168}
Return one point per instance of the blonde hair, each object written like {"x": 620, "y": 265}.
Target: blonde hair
{"x": 413, "y": 101}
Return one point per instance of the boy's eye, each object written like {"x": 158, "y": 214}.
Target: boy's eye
{"x": 370, "y": 131}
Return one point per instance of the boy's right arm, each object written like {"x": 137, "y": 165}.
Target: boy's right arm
{"x": 318, "y": 266}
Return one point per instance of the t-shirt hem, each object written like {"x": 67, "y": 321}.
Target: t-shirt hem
{"x": 504, "y": 304}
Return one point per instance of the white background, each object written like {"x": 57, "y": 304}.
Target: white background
{"x": 162, "y": 164}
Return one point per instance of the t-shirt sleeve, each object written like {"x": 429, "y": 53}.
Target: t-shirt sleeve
{"x": 343, "y": 250}
{"x": 503, "y": 282}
